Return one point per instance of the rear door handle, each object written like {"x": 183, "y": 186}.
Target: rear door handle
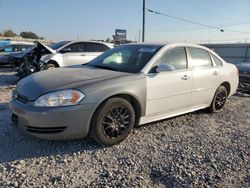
{"x": 185, "y": 77}
{"x": 216, "y": 73}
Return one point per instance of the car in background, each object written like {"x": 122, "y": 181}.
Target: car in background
{"x": 40, "y": 49}
{"x": 244, "y": 71}
{"x": 244, "y": 76}
{"x": 16, "y": 59}
{"x": 123, "y": 87}
{"x": 13, "y": 47}
{"x": 68, "y": 53}
{"x": 4, "y": 42}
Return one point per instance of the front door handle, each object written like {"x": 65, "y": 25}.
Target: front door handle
{"x": 82, "y": 54}
{"x": 185, "y": 77}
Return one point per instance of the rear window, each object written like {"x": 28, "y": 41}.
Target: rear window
{"x": 216, "y": 60}
{"x": 199, "y": 58}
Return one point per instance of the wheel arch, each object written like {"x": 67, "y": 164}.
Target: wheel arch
{"x": 137, "y": 106}
{"x": 53, "y": 62}
{"x": 227, "y": 86}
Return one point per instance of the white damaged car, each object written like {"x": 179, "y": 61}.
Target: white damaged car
{"x": 68, "y": 53}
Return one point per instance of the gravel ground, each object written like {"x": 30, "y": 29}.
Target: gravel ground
{"x": 193, "y": 150}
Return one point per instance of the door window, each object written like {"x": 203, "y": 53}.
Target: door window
{"x": 216, "y": 60}
{"x": 77, "y": 47}
{"x": 175, "y": 57}
{"x": 9, "y": 49}
{"x": 200, "y": 58}
{"x": 23, "y": 47}
{"x": 95, "y": 47}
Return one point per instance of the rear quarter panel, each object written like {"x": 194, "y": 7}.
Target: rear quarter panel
{"x": 230, "y": 74}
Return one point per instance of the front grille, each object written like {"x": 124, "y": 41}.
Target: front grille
{"x": 21, "y": 98}
{"x": 45, "y": 130}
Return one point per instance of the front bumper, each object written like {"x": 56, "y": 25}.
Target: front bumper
{"x": 53, "y": 123}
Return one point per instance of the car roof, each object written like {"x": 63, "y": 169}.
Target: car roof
{"x": 91, "y": 41}
{"x": 169, "y": 44}
{"x": 174, "y": 44}
{"x": 22, "y": 43}
{"x": 110, "y": 45}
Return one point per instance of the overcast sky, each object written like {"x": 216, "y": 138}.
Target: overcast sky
{"x": 97, "y": 19}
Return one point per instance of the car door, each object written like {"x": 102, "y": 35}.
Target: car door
{"x": 205, "y": 76}
{"x": 74, "y": 54}
{"x": 169, "y": 92}
{"x": 5, "y": 53}
{"x": 7, "y": 50}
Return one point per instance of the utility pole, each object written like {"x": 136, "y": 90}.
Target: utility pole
{"x": 143, "y": 21}
{"x": 139, "y": 36}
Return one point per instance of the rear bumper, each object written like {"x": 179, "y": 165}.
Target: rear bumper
{"x": 53, "y": 123}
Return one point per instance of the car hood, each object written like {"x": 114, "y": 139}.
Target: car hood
{"x": 41, "y": 45}
{"x": 62, "y": 78}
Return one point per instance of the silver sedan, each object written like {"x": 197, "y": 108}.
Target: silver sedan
{"x": 125, "y": 86}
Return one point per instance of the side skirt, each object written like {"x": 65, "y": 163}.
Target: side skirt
{"x": 148, "y": 119}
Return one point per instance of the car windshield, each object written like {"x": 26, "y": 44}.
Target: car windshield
{"x": 57, "y": 45}
{"x": 125, "y": 58}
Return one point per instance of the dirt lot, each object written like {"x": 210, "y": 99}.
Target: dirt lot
{"x": 197, "y": 149}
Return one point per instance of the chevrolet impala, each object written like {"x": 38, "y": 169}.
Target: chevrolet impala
{"x": 125, "y": 86}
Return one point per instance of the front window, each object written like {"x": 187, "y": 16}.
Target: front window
{"x": 174, "y": 57}
{"x": 8, "y": 48}
{"x": 126, "y": 58}
{"x": 57, "y": 45}
{"x": 95, "y": 47}
{"x": 77, "y": 47}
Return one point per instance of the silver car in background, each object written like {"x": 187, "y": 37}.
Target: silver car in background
{"x": 13, "y": 48}
{"x": 126, "y": 86}
{"x": 68, "y": 53}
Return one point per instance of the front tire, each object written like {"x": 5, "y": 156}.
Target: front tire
{"x": 49, "y": 66}
{"x": 219, "y": 99}
{"x": 112, "y": 122}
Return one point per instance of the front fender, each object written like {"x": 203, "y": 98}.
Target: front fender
{"x": 52, "y": 57}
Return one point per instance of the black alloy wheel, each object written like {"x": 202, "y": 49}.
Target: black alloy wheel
{"x": 219, "y": 99}
{"x": 112, "y": 122}
{"x": 116, "y": 122}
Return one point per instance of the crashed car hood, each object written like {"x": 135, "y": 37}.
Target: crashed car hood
{"x": 39, "y": 44}
{"x": 43, "y": 82}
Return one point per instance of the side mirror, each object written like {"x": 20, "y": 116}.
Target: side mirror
{"x": 164, "y": 68}
{"x": 65, "y": 50}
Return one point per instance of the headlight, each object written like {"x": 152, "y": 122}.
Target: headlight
{"x": 60, "y": 98}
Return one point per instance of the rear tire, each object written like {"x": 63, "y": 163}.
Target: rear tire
{"x": 219, "y": 100}
{"x": 112, "y": 122}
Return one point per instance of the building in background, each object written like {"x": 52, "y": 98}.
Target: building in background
{"x": 120, "y": 37}
{"x": 232, "y": 53}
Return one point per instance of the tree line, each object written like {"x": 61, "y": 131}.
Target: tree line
{"x": 24, "y": 34}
